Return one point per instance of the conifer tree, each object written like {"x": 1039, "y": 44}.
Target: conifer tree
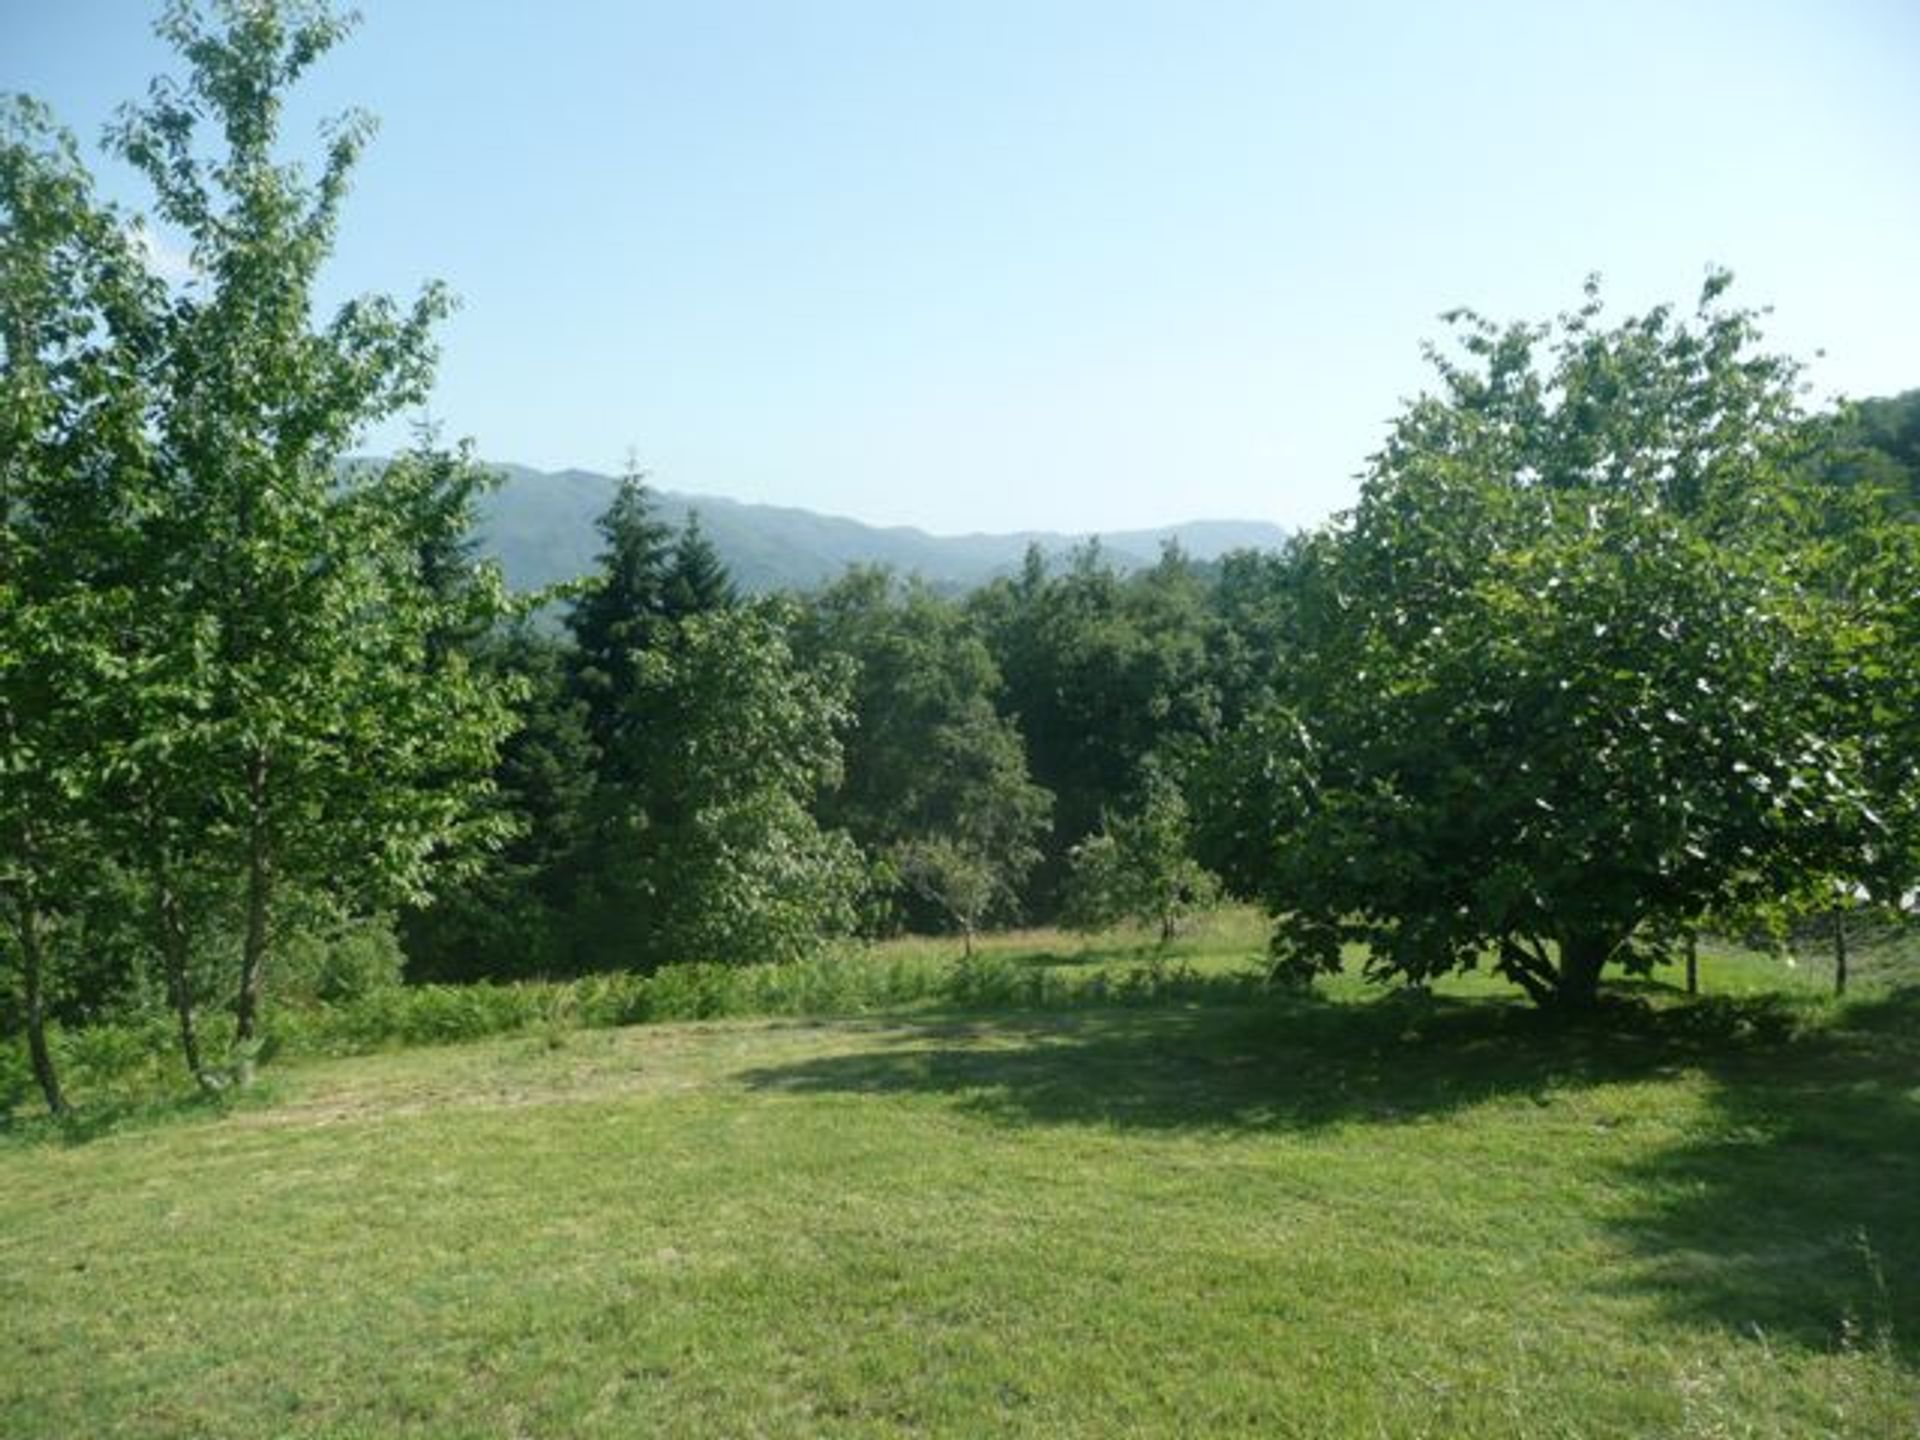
{"x": 621, "y": 610}
{"x": 697, "y": 580}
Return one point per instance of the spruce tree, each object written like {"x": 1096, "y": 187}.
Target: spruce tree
{"x": 621, "y": 611}
{"x": 697, "y": 580}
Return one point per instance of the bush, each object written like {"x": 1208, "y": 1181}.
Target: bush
{"x": 16, "y": 1078}
{"x": 343, "y": 961}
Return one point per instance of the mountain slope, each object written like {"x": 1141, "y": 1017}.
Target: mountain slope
{"x": 540, "y": 525}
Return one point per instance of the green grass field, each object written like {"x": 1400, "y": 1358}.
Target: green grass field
{"x": 1339, "y": 1215}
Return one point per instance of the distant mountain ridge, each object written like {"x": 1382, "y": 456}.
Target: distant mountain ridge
{"x": 539, "y": 524}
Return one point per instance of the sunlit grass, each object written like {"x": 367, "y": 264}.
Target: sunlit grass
{"x": 1340, "y": 1215}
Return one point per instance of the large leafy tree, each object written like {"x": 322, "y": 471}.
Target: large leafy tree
{"x": 76, "y": 338}
{"x": 1559, "y": 696}
{"x": 732, "y": 741}
{"x": 323, "y": 733}
{"x": 1100, "y": 670}
{"x": 936, "y": 788}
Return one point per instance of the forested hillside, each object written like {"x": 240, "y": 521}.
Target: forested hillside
{"x": 539, "y": 524}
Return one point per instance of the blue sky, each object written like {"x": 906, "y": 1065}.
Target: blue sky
{"x": 994, "y": 266}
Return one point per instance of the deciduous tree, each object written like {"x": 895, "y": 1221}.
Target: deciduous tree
{"x": 316, "y": 738}
{"x": 75, "y": 346}
{"x": 1139, "y": 864}
{"x": 1561, "y": 688}
{"x": 732, "y": 741}
{"x": 936, "y": 787}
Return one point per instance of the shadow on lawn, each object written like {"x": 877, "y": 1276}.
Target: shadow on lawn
{"x": 1283, "y": 1062}
{"x": 1112, "y": 952}
{"x": 101, "y": 1118}
{"x": 1793, "y": 1213}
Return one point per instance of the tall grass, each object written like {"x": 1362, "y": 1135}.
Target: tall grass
{"x": 124, "y": 1062}
{"x": 131, "y": 1063}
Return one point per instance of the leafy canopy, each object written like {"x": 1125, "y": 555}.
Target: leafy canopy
{"x": 1556, "y": 696}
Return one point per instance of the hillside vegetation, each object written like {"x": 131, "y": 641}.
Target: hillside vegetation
{"x": 539, "y": 525}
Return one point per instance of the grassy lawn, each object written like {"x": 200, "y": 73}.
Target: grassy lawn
{"x": 1342, "y": 1215}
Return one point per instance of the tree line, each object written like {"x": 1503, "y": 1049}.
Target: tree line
{"x": 1621, "y": 639}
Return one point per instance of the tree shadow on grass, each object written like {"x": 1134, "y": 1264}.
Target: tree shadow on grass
{"x": 1793, "y": 1212}
{"x": 99, "y": 1118}
{"x": 1090, "y": 956}
{"x": 1282, "y": 1062}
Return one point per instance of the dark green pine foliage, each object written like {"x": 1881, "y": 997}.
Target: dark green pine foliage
{"x": 558, "y": 897}
{"x": 649, "y": 586}
{"x": 619, "y": 618}
{"x": 697, "y": 580}
{"x": 563, "y": 896}
{"x": 621, "y": 612}
{"x": 511, "y": 917}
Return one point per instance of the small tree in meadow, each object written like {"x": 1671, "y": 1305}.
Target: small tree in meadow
{"x": 1139, "y": 865}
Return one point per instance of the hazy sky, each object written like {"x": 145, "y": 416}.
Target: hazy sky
{"x": 991, "y": 266}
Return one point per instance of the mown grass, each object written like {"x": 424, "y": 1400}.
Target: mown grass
{"x": 1341, "y": 1214}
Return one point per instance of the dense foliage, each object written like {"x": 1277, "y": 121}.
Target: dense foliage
{"x": 257, "y": 712}
{"x": 1619, "y": 641}
{"x": 1569, "y": 668}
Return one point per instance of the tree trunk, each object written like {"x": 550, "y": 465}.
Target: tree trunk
{"x": 1583, "y": 954}
{"x": 33, "y": 964}
{"x": 1526, "y": 965}
{"x": 253, "y": 949}
{"x": 966, "y": 938}
{"x": 1693, "y": 963}
{"x": 1840, "y": 949}
{"x": 174, "y": 950}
